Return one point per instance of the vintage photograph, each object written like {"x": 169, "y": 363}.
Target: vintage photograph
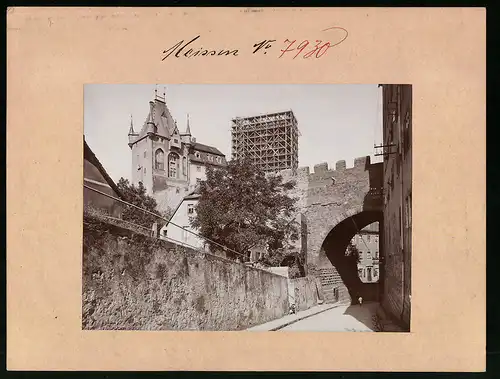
{"x": 233, "y": 207}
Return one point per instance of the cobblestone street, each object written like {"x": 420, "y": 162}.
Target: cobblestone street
{"x": 345, "y": 318}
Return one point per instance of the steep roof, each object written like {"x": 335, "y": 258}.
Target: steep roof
{"x": 188, "y": 129}
{"x": 160, "y": 115}
{"x": 89, "y": 156}
{"x": 207, "y": 149}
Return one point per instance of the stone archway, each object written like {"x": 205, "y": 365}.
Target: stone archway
{"x": 333, "y": 258}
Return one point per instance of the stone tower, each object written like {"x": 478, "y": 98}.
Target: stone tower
{"x": 167, "y": 162}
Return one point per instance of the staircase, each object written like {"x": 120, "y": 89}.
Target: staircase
{"x": 333, "y": 288}
{"x": 327, "y": 278}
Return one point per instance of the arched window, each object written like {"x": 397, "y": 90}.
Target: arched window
{"x": 173, "y": 165}
{"x": 159, "y": 160}
{"x": 184, "y": 166}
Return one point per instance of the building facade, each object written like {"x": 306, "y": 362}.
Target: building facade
{"x": 367, "y": 244}
{"x": 397, "y": 167}
{"x": 179, "y": 229}
{"x": 169, "y": 163}
{"x": 270, "y": 141}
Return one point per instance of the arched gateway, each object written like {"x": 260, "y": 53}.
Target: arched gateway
{"x": 334, "y": 206}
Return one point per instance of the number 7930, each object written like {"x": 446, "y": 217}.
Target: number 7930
{"x": 318, "y": 50}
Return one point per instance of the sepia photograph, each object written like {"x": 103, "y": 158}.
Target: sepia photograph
{"x": 238, "y": 207}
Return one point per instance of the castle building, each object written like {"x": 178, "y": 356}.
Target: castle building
{"x": 168, "y": 162}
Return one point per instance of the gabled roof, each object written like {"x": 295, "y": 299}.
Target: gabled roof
{"x": 195, "y": 194}
{"x": 89, "y": 156}
{"x": 207, "y": 149}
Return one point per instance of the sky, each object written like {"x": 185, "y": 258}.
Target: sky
{"x": 336, "y": 121}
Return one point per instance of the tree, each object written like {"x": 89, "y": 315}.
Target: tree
{"x": 241, "y": 208}
{"x": 137, "y": 195}
{"x": 353, "y": 252}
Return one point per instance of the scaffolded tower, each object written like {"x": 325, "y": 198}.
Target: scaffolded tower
{"x": 270, "y": 141}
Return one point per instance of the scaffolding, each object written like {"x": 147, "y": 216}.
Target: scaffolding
{"x": 270, "y": 141}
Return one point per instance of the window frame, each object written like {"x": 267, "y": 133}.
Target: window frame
{"x": 159, "y": 165}
{"x": 173, "y": 158}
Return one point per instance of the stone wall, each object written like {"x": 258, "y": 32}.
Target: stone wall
{"x": 329, "y": 196}
{"x": 304, "y": 292}
{"x": 133, "y": 282}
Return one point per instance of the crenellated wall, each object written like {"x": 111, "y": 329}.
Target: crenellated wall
{"x": 328, "y": 196}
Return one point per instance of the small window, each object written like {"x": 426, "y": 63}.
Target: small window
{"x": 144, "y": 169}
{"x": 177, "y": 190}
{"x": 198, "y": 168}
{"x": 176, "y": 140}
{"x": 190, "y": 209}
{"x": 145, "y": 154}
{"x": 197, "y": 155}
{"x": 198, "y": 180}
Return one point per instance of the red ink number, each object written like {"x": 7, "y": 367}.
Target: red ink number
{"x": 327, "y": 45}
{"x": 301, "y": 48}
{"x": 319, "y": 48}
{"x": 287, "y": 49}
{"x": 309, "y": 54}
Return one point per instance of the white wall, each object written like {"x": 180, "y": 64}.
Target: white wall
{"x": 194, "y": 174}
{"x": 181, "y": 219}
{"x": 138, "y": 159}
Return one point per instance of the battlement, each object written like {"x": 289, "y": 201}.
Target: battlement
{"x": 322, "y": 170}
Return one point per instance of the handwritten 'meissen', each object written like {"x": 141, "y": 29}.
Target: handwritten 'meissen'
{"x": 178, "y": 48}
